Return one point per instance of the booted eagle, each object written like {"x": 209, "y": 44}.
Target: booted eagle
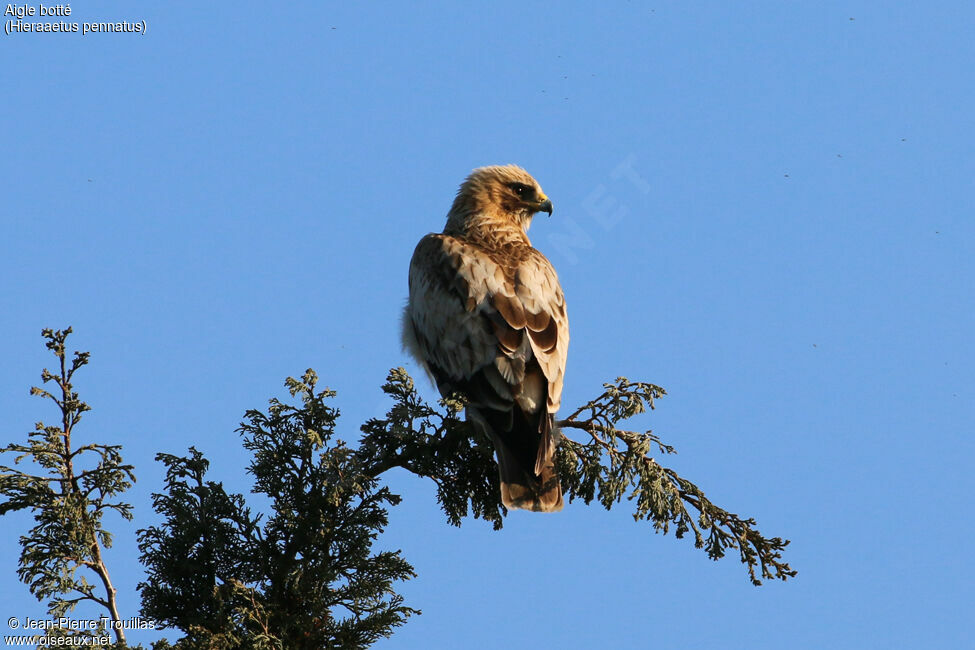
{"x": 486, "y": 318}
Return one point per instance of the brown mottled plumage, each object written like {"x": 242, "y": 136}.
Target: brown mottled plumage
{"x": 486, "y": 318}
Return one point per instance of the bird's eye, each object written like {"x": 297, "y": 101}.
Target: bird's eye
{"x": 520, "y": 189}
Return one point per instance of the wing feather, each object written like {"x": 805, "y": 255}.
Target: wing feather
{"x": 469, "y": 310}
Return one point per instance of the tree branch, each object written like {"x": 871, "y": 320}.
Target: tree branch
{"x": 660, "y": 493}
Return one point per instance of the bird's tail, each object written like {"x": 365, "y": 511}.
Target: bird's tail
{"x": 526, "y": 463}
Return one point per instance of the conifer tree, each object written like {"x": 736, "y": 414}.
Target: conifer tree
{"x": 301, "y": 573}
{"x": 68, "y": 486}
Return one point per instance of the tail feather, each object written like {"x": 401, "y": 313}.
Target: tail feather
{"x": 526, "y": 461}
{"x": 546, "y": 444}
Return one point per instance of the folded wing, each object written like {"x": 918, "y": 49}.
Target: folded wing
{"x": 493, "y": 326}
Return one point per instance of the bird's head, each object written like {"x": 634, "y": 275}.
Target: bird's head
{"x": 501, "y": 191}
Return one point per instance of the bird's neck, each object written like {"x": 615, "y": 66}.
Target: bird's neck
{"x": 486, "y": 230}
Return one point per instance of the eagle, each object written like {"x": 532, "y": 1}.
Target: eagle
{"x": 486, "y": 318}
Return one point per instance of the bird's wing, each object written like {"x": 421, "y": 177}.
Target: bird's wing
{"x": 483, "y": 318}
{"x": 448, "y": 319}
{"x": 534, "y": 305}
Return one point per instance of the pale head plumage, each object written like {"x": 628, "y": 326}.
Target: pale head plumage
{"x": 505, "y": 192}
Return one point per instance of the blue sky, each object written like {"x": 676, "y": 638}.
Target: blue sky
{"x": 764, "y": 207}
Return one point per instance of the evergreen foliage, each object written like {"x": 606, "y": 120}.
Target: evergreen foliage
{"x": 302, "y": 574}
{"x": 75, "y": 486}
{"x": 306, "y": 576}
{"x": 609, "y": 464}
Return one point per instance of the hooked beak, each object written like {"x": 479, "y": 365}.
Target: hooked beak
{"x": 545, "y": 206}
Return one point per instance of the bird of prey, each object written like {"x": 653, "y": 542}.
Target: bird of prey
{"x": 486, "y": 318}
